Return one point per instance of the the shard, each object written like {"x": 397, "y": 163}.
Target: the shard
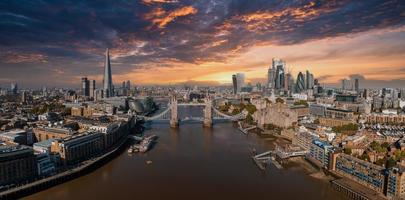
{"x": 107, "y": 81}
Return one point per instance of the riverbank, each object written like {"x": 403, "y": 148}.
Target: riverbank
{"x": 310, "y": 169}
{"x": 43, "y": 184}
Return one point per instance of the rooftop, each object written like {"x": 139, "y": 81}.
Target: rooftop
{"x": 12, "y": 148}
{"x": 45, "y": 143}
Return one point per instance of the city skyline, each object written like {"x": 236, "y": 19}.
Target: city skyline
{"x": 197, "y": 43}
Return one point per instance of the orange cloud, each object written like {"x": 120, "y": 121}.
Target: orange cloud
{"x": 161, "y": 18}
{"x": 265, "y": 21}
{"x": 13, "y": 58}
{"x": 330, "y": 59}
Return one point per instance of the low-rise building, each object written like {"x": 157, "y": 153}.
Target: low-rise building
{"x": 46, "y": 133}
{"x": 317, "y": 110}
{"x": 337, "y": 117}
{"x": 43, "y": 146}
{"x": 17, "y": 136}
{"x": 379, "y": 118}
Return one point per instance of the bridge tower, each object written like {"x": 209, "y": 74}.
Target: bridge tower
{"x": 208, "y": 112}
{"x": 174, "y": 119}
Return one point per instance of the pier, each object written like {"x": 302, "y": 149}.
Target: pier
{"x": 245, "y": 130}
{"x": 275, "y": 156}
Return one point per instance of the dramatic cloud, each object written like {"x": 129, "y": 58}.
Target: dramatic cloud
{"x": 14, "y": 58}
{"x": 161, "y": 18}
{"x": 204, "y": 41}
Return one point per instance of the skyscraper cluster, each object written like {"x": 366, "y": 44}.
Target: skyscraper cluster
{"x": 278, "y": 78}
{"x": 89, "y": 89}
{"x": 304, "y": 82}
{"x": 276, "y": 74}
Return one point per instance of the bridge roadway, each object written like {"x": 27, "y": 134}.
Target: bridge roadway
{"x": 166, "y": 114}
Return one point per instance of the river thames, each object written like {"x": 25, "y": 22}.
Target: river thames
{"x": 193, "y": 163}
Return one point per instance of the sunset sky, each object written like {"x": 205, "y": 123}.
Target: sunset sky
{"x": 55, "y": 43}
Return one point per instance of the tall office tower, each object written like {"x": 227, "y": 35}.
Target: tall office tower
{"x": 44, "y": 90}
{"x": 300, "y": 86}
{"x": 24, "y": 97}
{"x": 346, "y": 84}
{"x": 92, "y": 88}
{"x": 14, "y": 88}
{"x": 312, "y": 82}
{"x": 309, "y": 83}
{"x": 271, "y": 77}
{"x": 307, "y": 79}
{"x": 279, "y": 66}
{"x": 124, "y": 90}
{"x": 107, "y": 81}
{"x": 291, "y": 85}
{"x": 258, "y": 87}
{"x": 316, "y": 82}
{"x": 240, "y": 80}
{"x": 356, "y": 85}
{"x": 394, "y": 94}
{"x": 402, "y": 94}
{"x": 235, "y": 84}
{"x": 128, "y": 85}
{"x": 287, "y": 81}
{"x": 98, "y": 94}
{"x": 85, "y": 87}
{"x": 365, "y": 93}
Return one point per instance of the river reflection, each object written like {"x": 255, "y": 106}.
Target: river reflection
{"x": 193, "y": 163}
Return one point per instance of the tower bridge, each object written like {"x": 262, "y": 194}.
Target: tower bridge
{"x": 210, "y": 113}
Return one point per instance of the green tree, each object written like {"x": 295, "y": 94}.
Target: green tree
{"x": 250, "y": 108}
{"x": 149, "y": 104}
{"x": 249, "y": 119}
{"x": 391, "y": 163}
{"x": 385, "y": 145}
{"x": 365, "y": 157}
{"x": 279, "y": 100}
{"x": 301, "y": 102}
{"x": 381, "y": 162}
{"x": 347, "y": 151}
{"x": 345, "y": 128}
{"x": 224, "y": 108}
{"x": 235, "y": 111}
{"x": 316, "y": 121}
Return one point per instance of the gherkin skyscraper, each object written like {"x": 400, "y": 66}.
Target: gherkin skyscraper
{"x": 107, "y": 81}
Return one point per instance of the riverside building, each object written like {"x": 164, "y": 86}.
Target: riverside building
{"x": 396, "y": 183}
{"x": 78, "y": 147}
{"x": 363, "y": 172}
{"x": 17, "y": 164}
